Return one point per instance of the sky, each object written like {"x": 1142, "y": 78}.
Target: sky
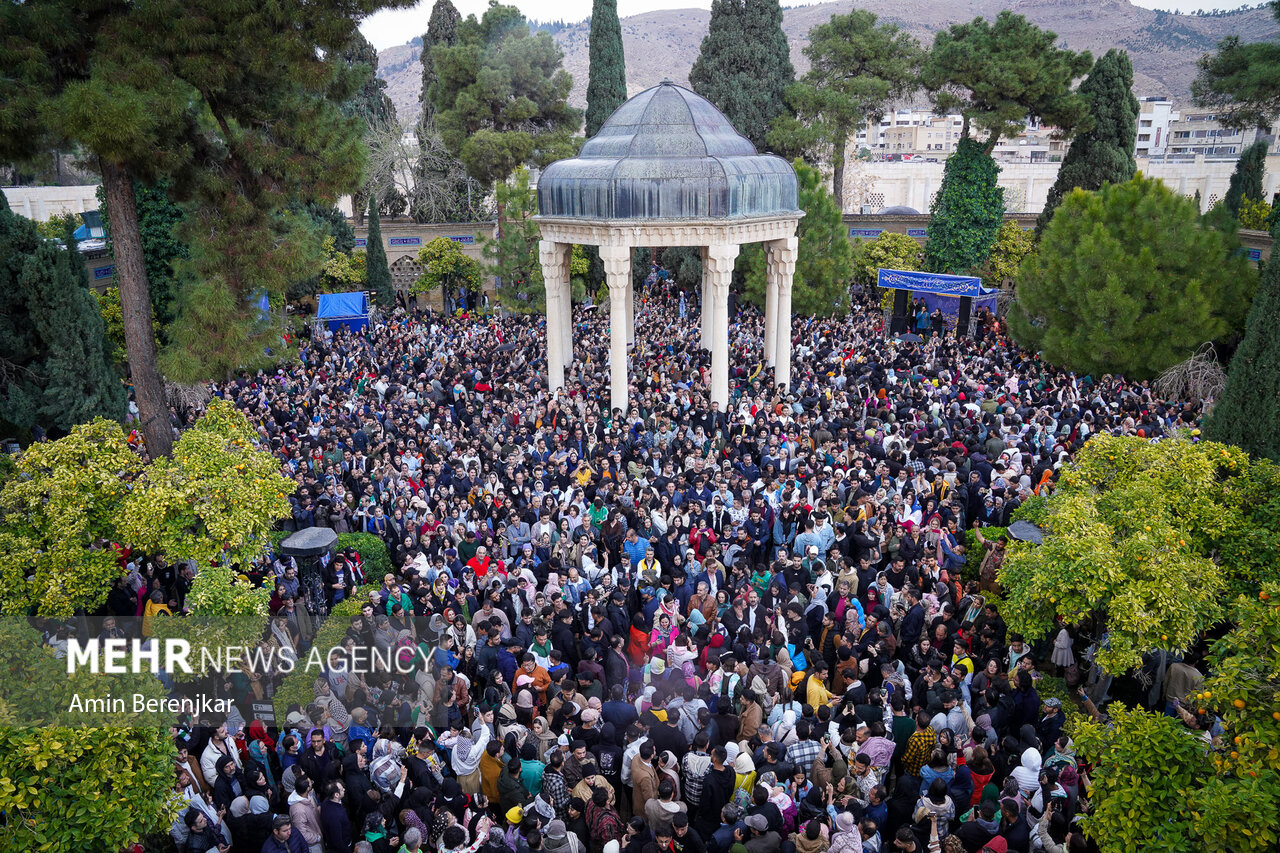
{"x": 398, "y": 26}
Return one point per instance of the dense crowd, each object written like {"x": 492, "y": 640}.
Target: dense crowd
{"x": 671, "y": 630}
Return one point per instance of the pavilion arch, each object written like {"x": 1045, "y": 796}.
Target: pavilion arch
{"x": 668, "y": 169}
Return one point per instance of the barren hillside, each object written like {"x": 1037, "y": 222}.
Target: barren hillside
{"x": 661, "y": 44}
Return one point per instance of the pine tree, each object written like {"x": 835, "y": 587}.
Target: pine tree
{"x": 20, "y": 346}
{"x": 607, "y": 74}
{"x": 996, "y": 73}
{"x": 824, "y": 262}
{"x": 1246, "y": 180}
{"x": 857, "y": 67}
{"x": 1238, "y": 82}
{"x": 501, "y": 96}
{"x": 435, "y": 168}
{"x": 1130, "y": 279}
{"x": 513, "y": 256}
{"x": 380, "y": 285}
{"x": 369, "y": 103}
{"x": 241, "y": 106}
{"x": 1104, "y": 153}
{"x": 744, "y": 65}
{"x": 1248, "y": 413}
{"x": 967, "y": 212}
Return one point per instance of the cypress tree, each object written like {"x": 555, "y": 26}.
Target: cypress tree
{"x": 1248, "y": 413}
{"x": 744, "y": 66}
{"x": 380, "y": 285}
{"x": 967, "y": 212}
{"x": 80, "y": 383}
{"x": 607, "y": 74}
{"x": 1246, "y": 180}
{"x": 1104, "y": 153}
{"x": 442, "y": 29}
{"x": 52, "y": 339}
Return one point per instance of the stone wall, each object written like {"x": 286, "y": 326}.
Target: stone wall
{"x": 44, "y": 203}
{"x": 403, "y": 238}
{"x": 869, "y": 226}
{"x": 915, "y": 183}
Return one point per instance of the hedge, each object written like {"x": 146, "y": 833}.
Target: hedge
{"x": 372, "y": 550}
{"x": 298, "y": 687}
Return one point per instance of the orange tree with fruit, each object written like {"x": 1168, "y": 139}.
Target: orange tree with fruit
{"x": 1151, "y": 545}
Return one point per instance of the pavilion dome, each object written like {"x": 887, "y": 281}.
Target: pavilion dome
{"x": 898, "y": 210}
{"x": 668, "y": 154}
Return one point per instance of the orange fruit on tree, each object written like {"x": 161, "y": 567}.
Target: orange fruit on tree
{"x": 1239, "y": 703}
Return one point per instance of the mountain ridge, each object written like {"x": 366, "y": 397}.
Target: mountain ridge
{"x": 1164, "y": 47}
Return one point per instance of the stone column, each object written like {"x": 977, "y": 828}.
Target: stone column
{"x": 782, "y": 268}
{"x": 704, "y": 309}
{"x": 617, "y": 273}
{"x": 566, "y": 313}
{"x": 770, "y": 307}
{"x": 631, "y": 310}
{"x": 555, "y": 273}
{"x": 717, "y": 273}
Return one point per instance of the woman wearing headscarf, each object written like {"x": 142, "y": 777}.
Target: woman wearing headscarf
{"x": 543, "y": 738}
{"x": 261, "y": 747}
{"x": 466, "y": 756}
{"x": 846, "y": 838}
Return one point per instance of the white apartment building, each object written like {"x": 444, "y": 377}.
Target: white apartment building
{"x": 1155, "y": 116}
{"x": 1202, "y": 134}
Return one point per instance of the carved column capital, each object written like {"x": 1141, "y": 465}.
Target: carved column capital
{"x": 617, "y": 265}
{"x": 554, "y": 258}
{"x": 718, "y": 260}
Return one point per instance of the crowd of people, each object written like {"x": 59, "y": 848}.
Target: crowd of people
{"x": 673, "y": 629}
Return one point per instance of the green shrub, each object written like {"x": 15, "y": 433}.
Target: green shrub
{"x": 297, "y": 688}
{"x": 1033, "y": 509}
{"x": 372, "y": 550}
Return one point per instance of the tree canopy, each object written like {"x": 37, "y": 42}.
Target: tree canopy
{"x": 214, "y": 500}
{"x": 501, "y": 96}
{"x": 997, "y": 73}
{"x": 607, "y": 73}
{"x": 1131, "y": 281}
{"x": 55, "y": 363}
{"x": 66, "y": 787}
{"x": 375, "y": 258}
{"x": 1103, "y": 154}
{"x": 966, "y": 213}
{"x": 1246, "y": 178}
{"x": 513, "y": 254}
{"x": 447, "y": 268}
{"x": 1159, "y": 788}
{"x": 1248, "y": 412}
{"x": 1145, "y": 543}
{"x": 180, "y": 90}
{"x": 1238, "y": 82}
{"x": 744, "y": 65}
{"x": 824, "y": 262}
{"x": 857, "y": 68}
{"x": 888, "y": 250}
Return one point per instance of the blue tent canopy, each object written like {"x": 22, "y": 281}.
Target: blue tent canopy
{"x": 338, "y": 309}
